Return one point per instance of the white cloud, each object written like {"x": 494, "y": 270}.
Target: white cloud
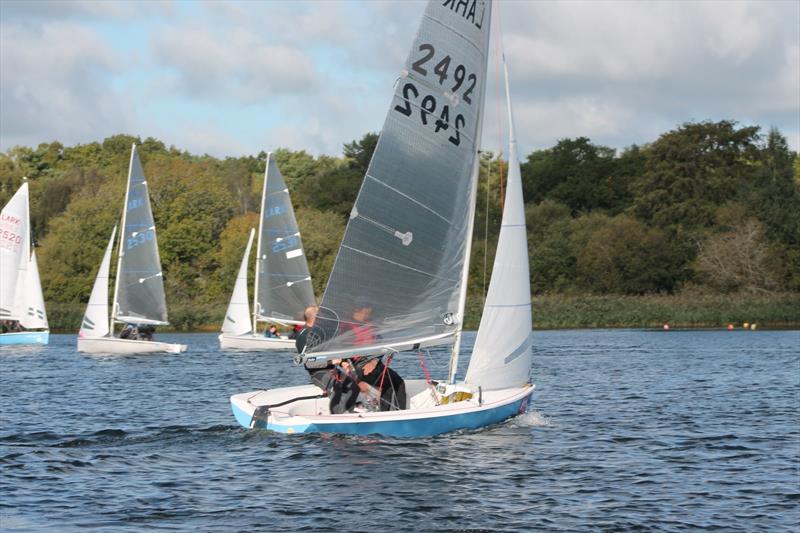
{"x": 314, "y": 75}
{"x": 81, "y": 9}
{"x": 55, "y": 85}
{"x": 646, "y": 64}
{"x": 237, "y": 64}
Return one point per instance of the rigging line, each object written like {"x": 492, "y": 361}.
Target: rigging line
{"x": 486, "y": 229}
{"x": 499, "y": 57}
{"x": 404, "y": 195}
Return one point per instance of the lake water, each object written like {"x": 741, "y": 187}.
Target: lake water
{"x": 628, "y": 429}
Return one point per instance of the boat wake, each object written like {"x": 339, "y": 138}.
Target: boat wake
{"x": 532, "y": 419}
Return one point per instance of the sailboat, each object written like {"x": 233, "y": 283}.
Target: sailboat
{"x": 283, "y": 287}
{"x": 139, "y": 287}
{"x": 406, "y": 253}
{"x": 21, "y": 299}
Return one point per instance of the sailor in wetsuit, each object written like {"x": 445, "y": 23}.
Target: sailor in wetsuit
{"x": 333, "y": 376}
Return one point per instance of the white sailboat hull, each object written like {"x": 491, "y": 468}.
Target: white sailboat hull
{"x": 310, "y": 414}
{"x": 115, "y": 346}
{"x": 250, "y": 342}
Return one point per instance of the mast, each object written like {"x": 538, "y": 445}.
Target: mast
{"x": 21, "y": 293}
{"x": 462, "y": 297}
{"x": 120, "y": 251}
{"x": 258, "y": 243}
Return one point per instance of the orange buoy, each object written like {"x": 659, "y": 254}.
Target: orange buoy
{"x": 730, "y": 327}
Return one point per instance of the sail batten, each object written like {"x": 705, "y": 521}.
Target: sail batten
{"x": 403, "y": 251}
{"x": 283, "y": 287}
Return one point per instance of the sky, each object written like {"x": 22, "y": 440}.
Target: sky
{"x": 233, "y": 78}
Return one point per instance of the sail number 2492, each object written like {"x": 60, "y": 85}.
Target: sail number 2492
{"x": 452, "y": 81}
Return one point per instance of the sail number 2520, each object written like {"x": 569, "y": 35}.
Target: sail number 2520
{"x": 429, "y": 110}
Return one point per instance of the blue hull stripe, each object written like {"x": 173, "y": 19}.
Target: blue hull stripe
{"x": 422, "y": 427}
{"x": 28, "y": 337}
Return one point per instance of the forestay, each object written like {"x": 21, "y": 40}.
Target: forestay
{"x": 237, "y": 318}
{"x": 14, "y": 254}
{"x": 502, "y": 354}
{"x": 283, "y": 283}
{"x": 34, "y": 316}
{"x": 140, "y": 298}
{"x": 403, "y": 251}
{"x": 95, "y": 320}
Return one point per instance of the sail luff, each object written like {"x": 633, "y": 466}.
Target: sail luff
{"x": 399, "y": 269}
{"x": 95, "y": 319}
{"x": 121, "y": 248}
{"x": 237, "y": 317}
{"x": 20, "y": 307}
{"x": 258, "y": 242}
{"x": 462, "y": 298}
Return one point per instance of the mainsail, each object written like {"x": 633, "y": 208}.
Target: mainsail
{"x": 34, "y": 316}
{"x": 95, "y": 320}
{"x": 283, "y": 284}
{"x": 502, "y": 354}
{"x": 14, "y": 254}
{"x": 404, "y": 249}
{"x": 237, "y": 318}
{"x": 139, "y": 296}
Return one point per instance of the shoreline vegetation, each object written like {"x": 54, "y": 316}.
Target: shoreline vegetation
{"x": 556, "y": 311}
{"x": 697, "y": 228}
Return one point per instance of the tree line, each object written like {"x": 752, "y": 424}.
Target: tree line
{"x": 708, "y": 206}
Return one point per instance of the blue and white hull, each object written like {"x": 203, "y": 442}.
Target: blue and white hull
{"x": 24, "y": 337}
{"x": 425, "y": 417}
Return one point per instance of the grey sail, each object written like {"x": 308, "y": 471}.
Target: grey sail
{"x": 404, "y": 250}
{"x": 283, "y": 283}
{"x": 140, "y": 286}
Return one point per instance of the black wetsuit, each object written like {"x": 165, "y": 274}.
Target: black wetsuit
{"x": 341, "y": 389}
{"x": 393, "y": 388}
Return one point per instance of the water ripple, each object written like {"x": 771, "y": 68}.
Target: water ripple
{"x": 640, "y": 430}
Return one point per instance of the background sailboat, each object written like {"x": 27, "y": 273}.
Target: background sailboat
{"x": 21, "y": 299}
{"x": 405, "y": 254}
{"x": 139, "y": 287}
{"x": 283, "y": 284}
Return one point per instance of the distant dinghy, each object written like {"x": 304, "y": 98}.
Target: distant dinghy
{"x": 405, "y": 257}
{"x": 139, "y": 286}
{"x": 22, "y": 312}
{"x": 283, "y": 287}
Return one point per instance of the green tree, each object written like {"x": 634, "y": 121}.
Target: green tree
{"x": 577, "y": 173}
{"x": 623, "y": 256}
{"x": 321, "y": 232}
{"x": 693, "y": 170}
{"x": 335, "y": 187}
